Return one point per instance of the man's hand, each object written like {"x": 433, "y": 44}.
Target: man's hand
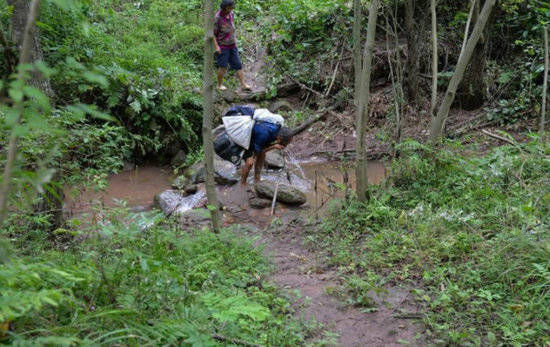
{"x": 218, "y": 50}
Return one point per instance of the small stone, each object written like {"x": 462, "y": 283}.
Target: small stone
{"x": 275, "y": 160}
{"x": 260, "y": 203}
{"x": 195, "y": 217}
{"x": 179, "y": 159}
{"x": 180, "y": 182}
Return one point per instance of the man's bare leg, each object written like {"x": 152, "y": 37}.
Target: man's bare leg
{"x": 240, "y": 75}
{"x": 246, "y": 170}
{"x": 221, "y": 73}
{"x": 258, "y": 167}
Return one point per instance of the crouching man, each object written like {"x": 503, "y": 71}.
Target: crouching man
{"x": 265, "y": 137}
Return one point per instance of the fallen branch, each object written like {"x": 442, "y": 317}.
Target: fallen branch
{"x": 495, "y": 136}
{"x": 234, "y": 341}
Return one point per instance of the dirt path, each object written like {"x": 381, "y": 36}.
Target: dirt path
{"x": 299, "y": 268}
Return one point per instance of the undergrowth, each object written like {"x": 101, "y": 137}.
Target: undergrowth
{"x": 138, "y": 282}
{"x": 468, "y": 233}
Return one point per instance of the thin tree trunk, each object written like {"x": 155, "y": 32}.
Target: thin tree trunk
{"x": 467, "y": 28}
{"x": 208, "y": 111}
{"x": 413, "y": 69}
{"x": 438, "y": 122}
{"x": 434, "y": 58}
{"x": 25, "y": 57}
{"x": 357, "y": 48}
{"x": 362, "y": 109}
{"x": 544, "y": 85}
{"x": 21, "y": 10}
{"x": 471, "y": 92}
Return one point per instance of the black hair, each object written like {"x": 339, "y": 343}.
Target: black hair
{"x": 285, "y": 135}
{"x": 226, "y": 3}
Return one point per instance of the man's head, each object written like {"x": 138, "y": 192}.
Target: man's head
{"x": 227, "y": 5}
{"x": 284, "y": 137}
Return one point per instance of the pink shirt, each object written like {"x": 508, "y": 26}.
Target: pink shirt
{"x": 224, "y": 30}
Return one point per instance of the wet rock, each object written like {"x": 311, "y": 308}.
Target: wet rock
{"x": 195, "y": 217}
{"x": 260, "y": 203}
{"x": 168, "y": 201}
{"x": 275, "y": 159}
{"x": 286, "y": 194}
{"x": 225, "y": 174}
{"x": 179, "y": 159}
{"x": 180, "y": 182}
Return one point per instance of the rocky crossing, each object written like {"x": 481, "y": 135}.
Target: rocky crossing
{"x": 187, "y": 198}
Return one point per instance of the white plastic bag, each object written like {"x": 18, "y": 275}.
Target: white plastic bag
{"x": 263, "y": 114}
{"x": 239, "y": 129}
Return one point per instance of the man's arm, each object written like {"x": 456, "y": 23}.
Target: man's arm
{"x": 216, "y": 30}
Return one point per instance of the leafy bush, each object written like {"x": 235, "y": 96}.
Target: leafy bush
{"x": 472, "y": 230}
{"x": 124, "y": 284}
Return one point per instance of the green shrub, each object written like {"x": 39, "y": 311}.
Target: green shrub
{"x": 472, "y": 230}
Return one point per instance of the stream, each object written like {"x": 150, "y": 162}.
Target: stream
{"x": 321, "y": 181}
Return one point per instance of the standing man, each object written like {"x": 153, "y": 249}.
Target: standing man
{"x": 225, "y": 44}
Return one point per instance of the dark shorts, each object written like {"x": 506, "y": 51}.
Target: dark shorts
{"x": 229, "y": 56}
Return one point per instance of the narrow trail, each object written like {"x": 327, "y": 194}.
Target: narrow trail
{"x": 299, "y": 268}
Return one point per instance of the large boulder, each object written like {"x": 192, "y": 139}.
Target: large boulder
{"x": 275, "y": 160}
{"x": 285, "y": 193}
{"x": 225, "y": 172}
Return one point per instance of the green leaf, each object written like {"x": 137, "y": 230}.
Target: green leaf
{"x": 16, "y": 95}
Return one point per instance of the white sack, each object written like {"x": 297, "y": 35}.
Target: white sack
{"x": 239, "y": 129}
{"x": 263, "y": 114}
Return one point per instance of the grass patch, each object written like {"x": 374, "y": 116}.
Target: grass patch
{"x": 470, "y": 233}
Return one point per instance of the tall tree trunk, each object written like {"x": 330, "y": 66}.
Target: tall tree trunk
{"x": 544, "y": 85}
{"x": 24, "y": 58}
{"x": 434, "y": 58}
{"x": 208, "y": 111}
{"x": 357, "y": 48}
{"x": 438, "y": 123}
{"x": 472, "y": 91}
{"x": 362, "y": 109}
{"x": 413, "y": 58}
{"x": 21, "y": 10}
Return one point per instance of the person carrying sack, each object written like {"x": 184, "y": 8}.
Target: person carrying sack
{"x": 249, "y": 138}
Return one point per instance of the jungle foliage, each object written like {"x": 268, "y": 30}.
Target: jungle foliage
{"x": 137, "y": 280}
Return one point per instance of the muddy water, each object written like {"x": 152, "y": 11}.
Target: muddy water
{"x": 321, "y": 180}
{"x": 137, "y": 188}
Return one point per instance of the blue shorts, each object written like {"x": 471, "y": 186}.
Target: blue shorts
{"x": 229, "y": 56}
